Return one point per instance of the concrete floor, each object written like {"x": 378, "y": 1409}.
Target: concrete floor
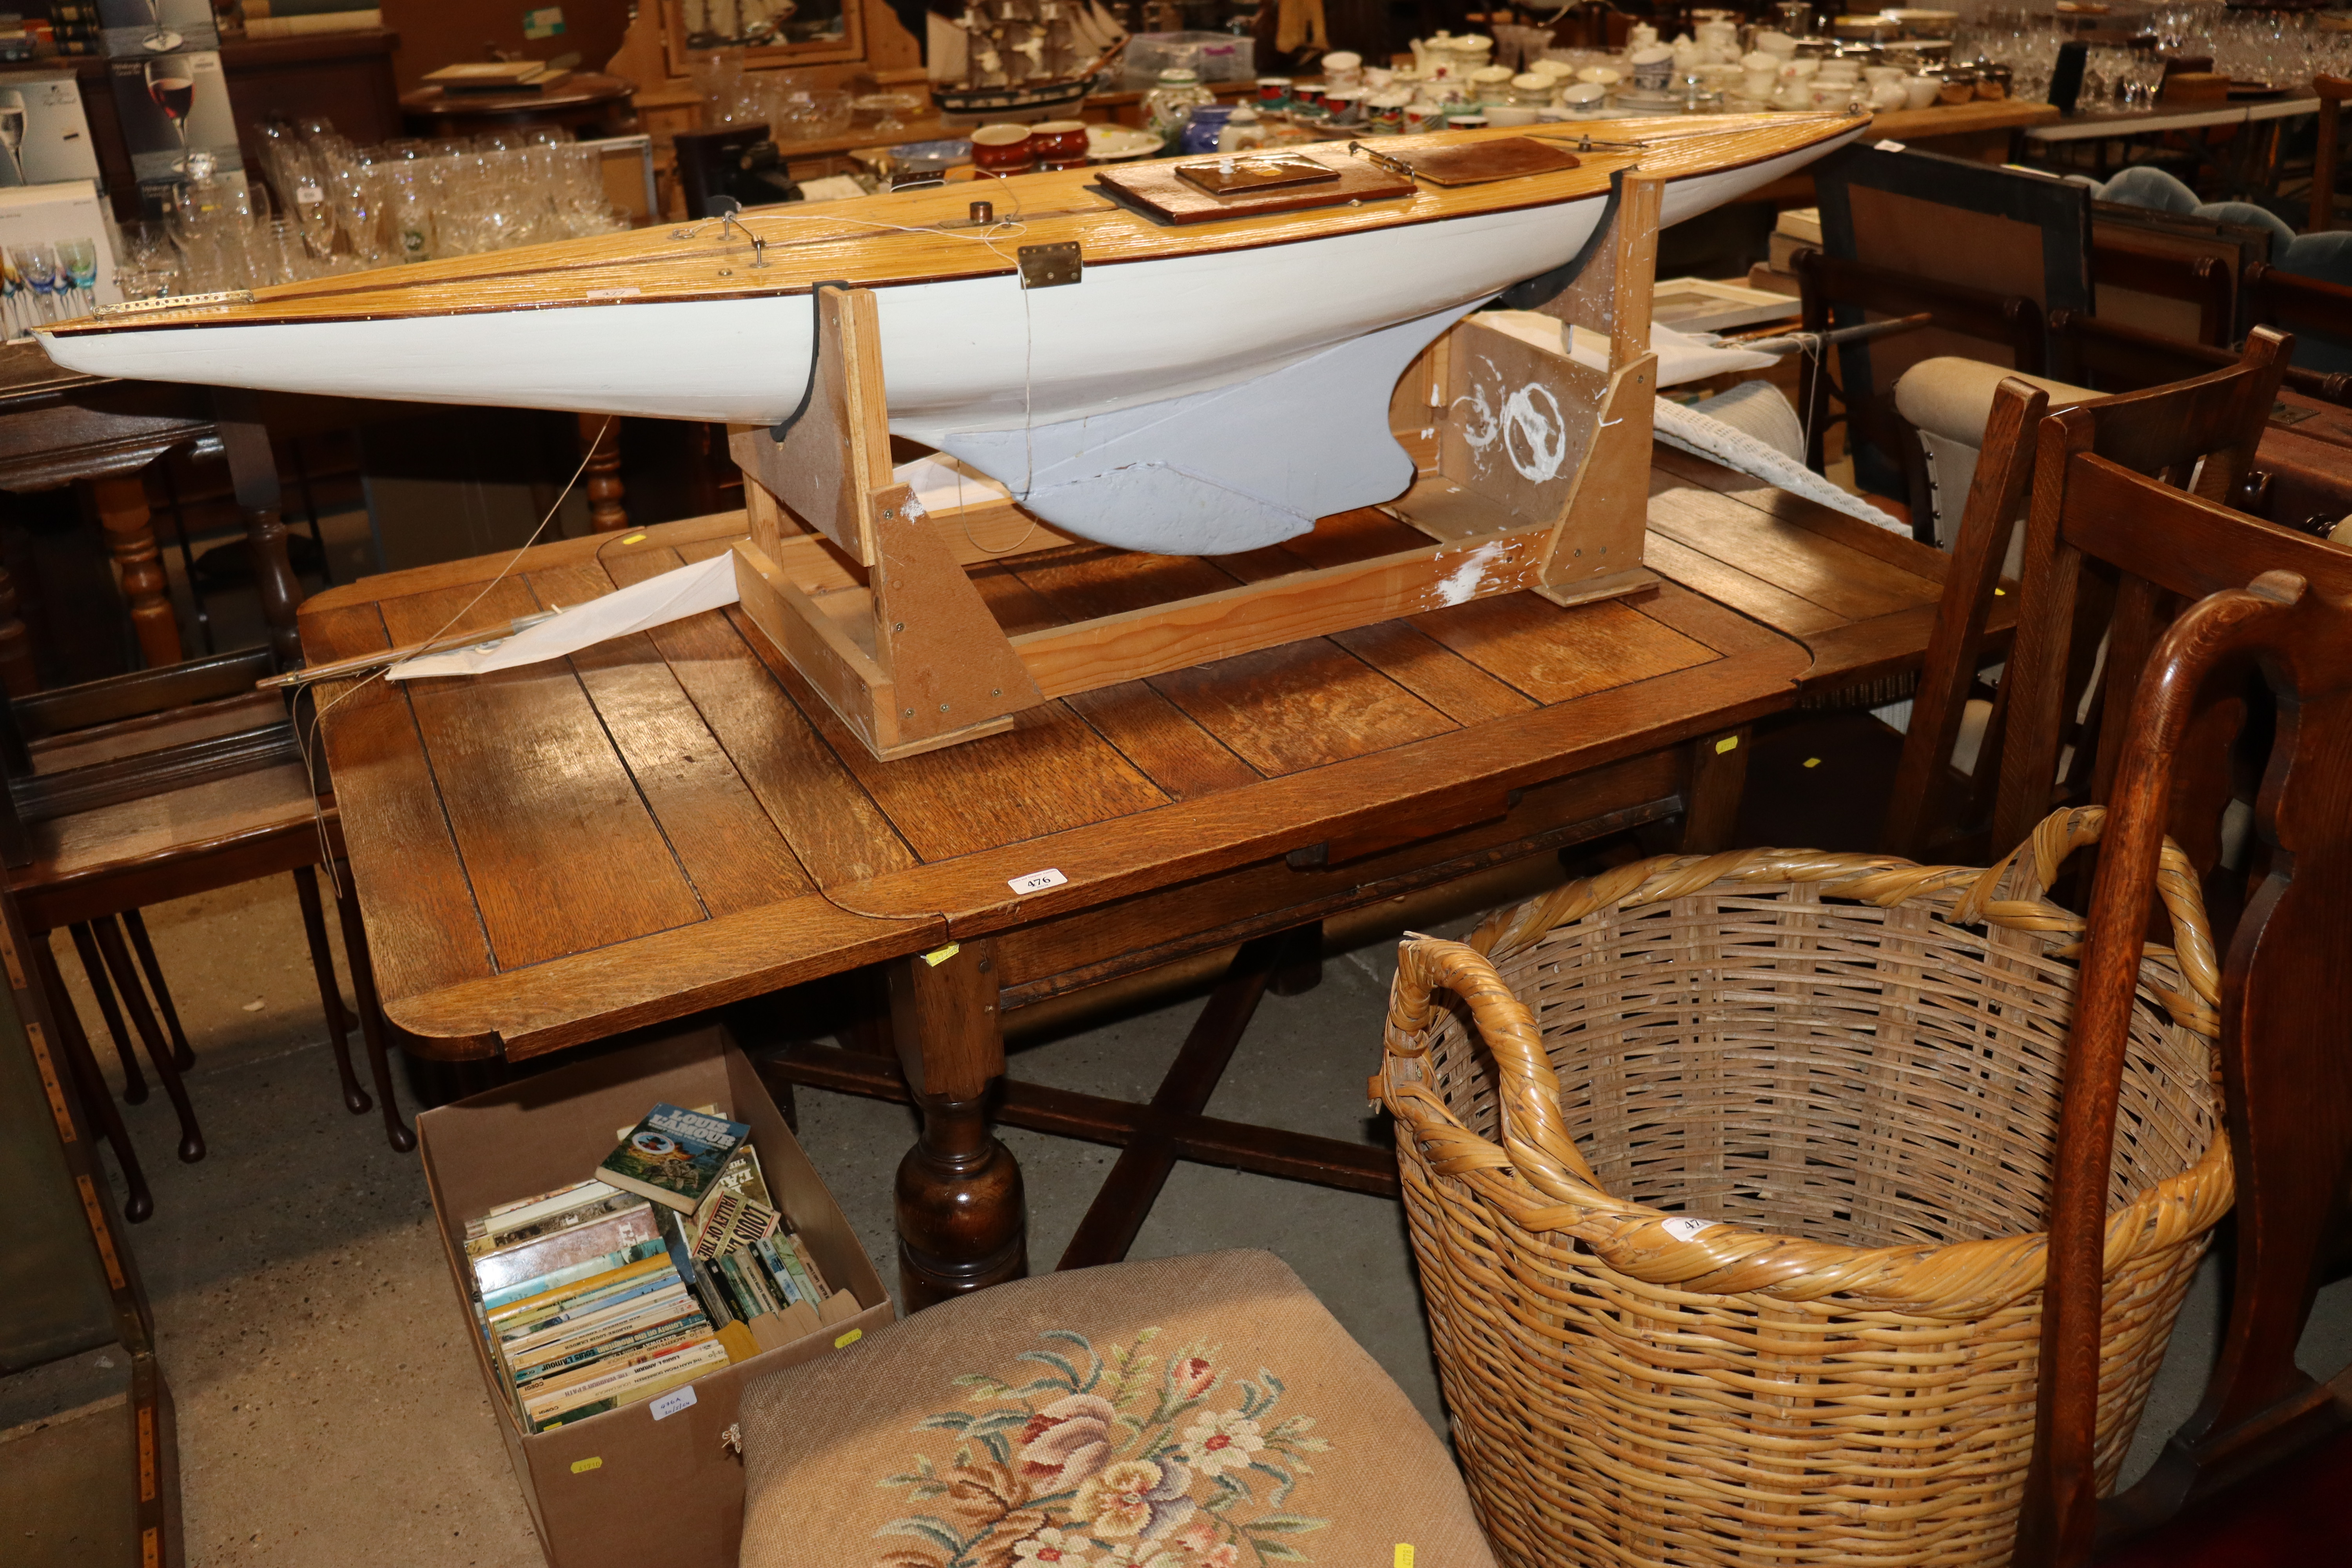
{"x": 329, "y": 1408}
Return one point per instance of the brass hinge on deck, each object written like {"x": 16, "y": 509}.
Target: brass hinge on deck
{"x": 1051, "y": 266}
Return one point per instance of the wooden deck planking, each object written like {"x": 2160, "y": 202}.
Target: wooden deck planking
{"x": 891, "y": 238}
{"x": 830, "y": 822}
{"x": 424, "y": 925}
{"x": 528, "y": 774}
{"x": 1300, "y": 705}
{"x": 1553, "y": 654}
{"x": 733, "y": 852}
{"x": 1839, "y": 578}
{"x": 1161, "y": 739}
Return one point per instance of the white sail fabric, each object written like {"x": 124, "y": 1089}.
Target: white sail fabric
{"x": 641, "y": 606}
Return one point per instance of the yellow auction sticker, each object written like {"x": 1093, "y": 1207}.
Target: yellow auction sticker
{"x": 851, "y": 1338}
{"x": 582, "y": 1466}
{"x": 1404, "y": 1555}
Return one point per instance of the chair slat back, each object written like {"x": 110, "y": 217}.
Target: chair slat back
{"x": 2294, "y": 303}
{"x": 2204, "y": 429}
{"x": 2286, "y": 990}
{"x": 2199, "y": 434}
{"x": 2203, "y": 281}
{"x": 2111, "y": 357}
{"x": 1828, "y": 285}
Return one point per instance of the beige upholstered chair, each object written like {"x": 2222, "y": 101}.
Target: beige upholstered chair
{"x": 1948, "y": 401}
{"x": 1200, "y": 1412}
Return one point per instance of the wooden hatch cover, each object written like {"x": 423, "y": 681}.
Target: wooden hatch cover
{"x": 1479, "y": 162}
{"x": 1167, "y": 192}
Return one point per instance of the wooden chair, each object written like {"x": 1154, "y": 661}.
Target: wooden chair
{"x": 2210, "y": 425}
{"x": 2294, "y": 303}
{"x": 2331, "y": 91}
{"x": 2111, "y": 357}
{"x": 2202, "y": 433}
{"x": 2203, "y": 282}
{"x": 1829, "y": 287}
{"x": 2287, "y": 980}
{"x": 131, "y": 791}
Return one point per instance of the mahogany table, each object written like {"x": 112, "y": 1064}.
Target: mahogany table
{"x": 674, "y": 820}
{"x": 582, "y": 103}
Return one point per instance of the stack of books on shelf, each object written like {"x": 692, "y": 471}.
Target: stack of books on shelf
{"x": 74, "y": 28}
{"x": 290, "y": 19}
{"x": 671, "y": 1260}
{"x": 498, "y": 76}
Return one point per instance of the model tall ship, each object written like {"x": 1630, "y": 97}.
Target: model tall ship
{"x": 1025, "y": 57}
{"x": 1142, "y": 360}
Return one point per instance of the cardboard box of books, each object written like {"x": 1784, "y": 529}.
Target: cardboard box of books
{"x": 634, "y": 1239}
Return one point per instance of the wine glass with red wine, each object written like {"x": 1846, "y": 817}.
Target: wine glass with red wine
{"x": 173, "y": 88}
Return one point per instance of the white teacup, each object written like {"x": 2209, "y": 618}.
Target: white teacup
{"x": 1510, "y": 114}
{"x": 1920, "y": 92}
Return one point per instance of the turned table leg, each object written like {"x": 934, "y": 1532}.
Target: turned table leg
{"x": 253, "y": 472}
{"x": 120, "y": 502}
{"x": 962, "y": 1224}
{"x": 1718, "y": 775}
{"x": 601, "y": 434}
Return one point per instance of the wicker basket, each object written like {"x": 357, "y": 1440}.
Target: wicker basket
{"x": 1826, "y": 1088}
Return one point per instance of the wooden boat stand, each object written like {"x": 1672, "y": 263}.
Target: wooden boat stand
{"x": 1532, "y": 473}
{"x": 1573, "y": 537}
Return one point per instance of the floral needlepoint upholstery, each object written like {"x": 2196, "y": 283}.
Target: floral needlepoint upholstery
{"x": 1185, "y": 1413}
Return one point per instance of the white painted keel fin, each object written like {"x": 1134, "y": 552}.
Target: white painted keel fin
{"x": 1236, "y": 468}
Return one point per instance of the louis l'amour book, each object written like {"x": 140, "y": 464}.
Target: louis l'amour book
{"x": 674, "y": 1156}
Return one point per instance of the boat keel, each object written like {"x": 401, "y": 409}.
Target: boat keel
{"x": 1199, "y": 475}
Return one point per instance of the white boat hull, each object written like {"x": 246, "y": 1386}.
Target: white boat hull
{"x": 976, "y": 353}
{"x": 969, "y": 361}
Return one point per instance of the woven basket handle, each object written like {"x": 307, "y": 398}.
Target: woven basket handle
{"x": 2035, "y": 864}
{"x": 1528, "y": 1093}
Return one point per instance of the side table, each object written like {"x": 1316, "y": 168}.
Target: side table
{"x": 61, "y": 428}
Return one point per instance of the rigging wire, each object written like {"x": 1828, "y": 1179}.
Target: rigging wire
{"x": 303, "y": 742}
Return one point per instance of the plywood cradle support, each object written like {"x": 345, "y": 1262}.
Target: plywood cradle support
{"x": 1533, "y": 473}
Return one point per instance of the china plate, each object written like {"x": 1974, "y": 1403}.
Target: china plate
{"x": 1116, "y": 144}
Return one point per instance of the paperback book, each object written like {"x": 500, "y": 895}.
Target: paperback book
{"x": 674, "y": 1156}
